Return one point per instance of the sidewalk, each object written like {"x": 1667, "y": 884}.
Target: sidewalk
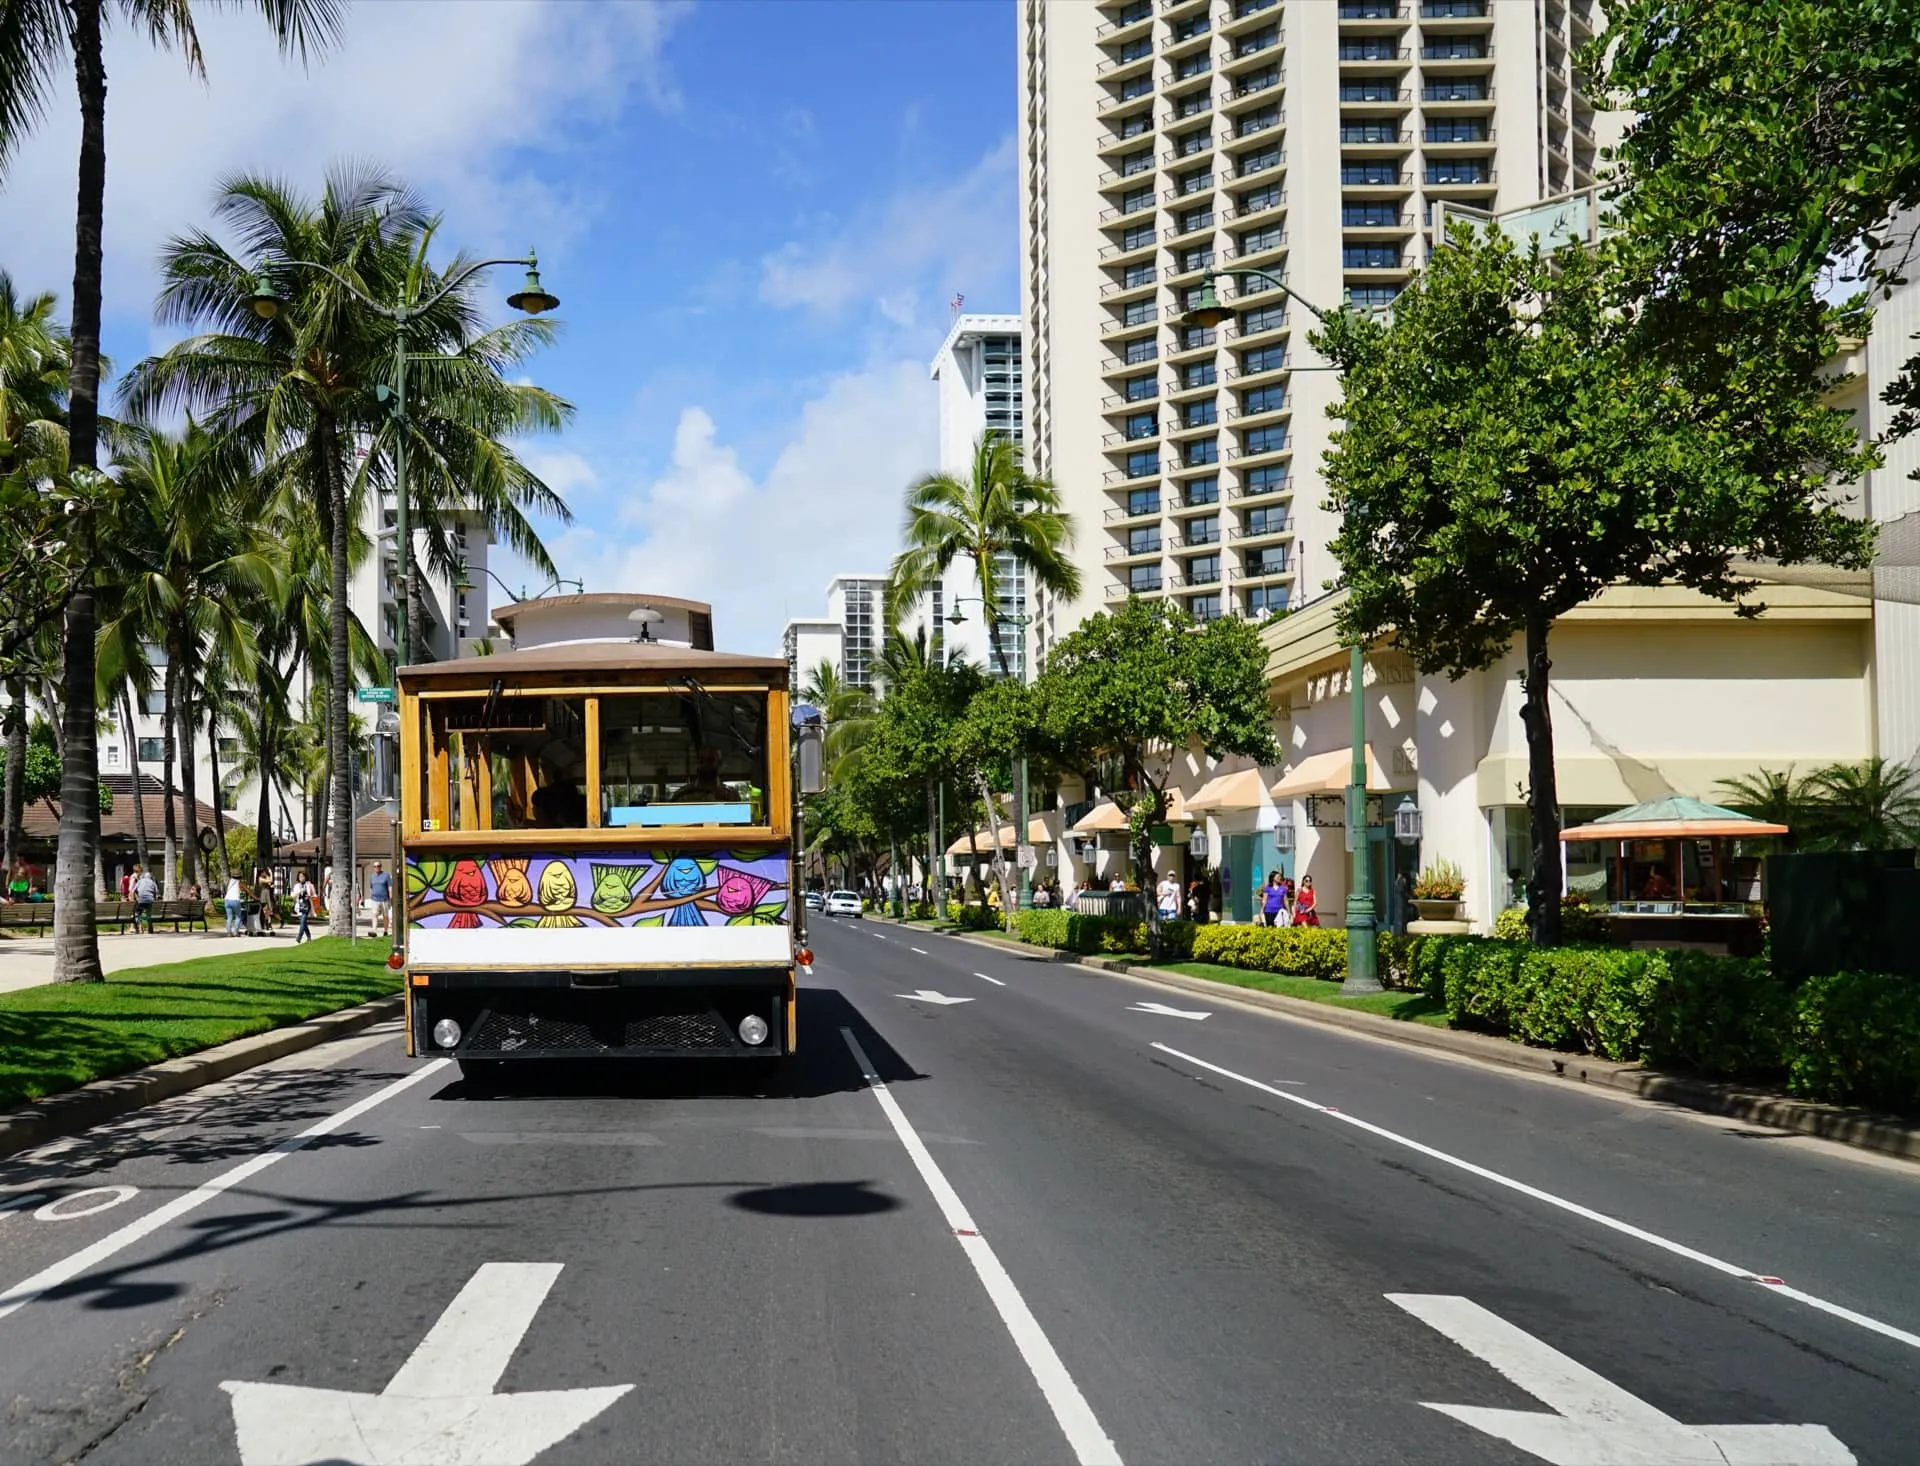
{"x": 28, "y": 961}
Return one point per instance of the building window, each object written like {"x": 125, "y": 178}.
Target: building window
{"x": 1193, "y": 142}
{"x": 1143, "y": 541}
{"x": 1258, "y": 120}
{"x": 1369, "y": 174}
{"x": 1197, "y": 25}
{"x": 1459, "y": 170}
{"x": 1375, "y": 48}
{"x": 1201, "y": 450}
{"x": 1136, "y": 200}
{"x": 1254, "y": 200}
{"x": 1369, "y": 91}
{"x": 1265, "y": 521}
{"x": 1203, "y": 570}
{"x": 1136, "y": 123}
{"x": 1254, "y": 41}
{"x": 1143, "y": 578}
{"x": 1145, "y": 464}
{"x": 1143, "y": 501}
{"x": 1259, "y": 160}
{"x": 1270, "y": 561}
{"x": 1254, "y": 241}
{"x": 1198, "y": 181}
{"x": 1372, "y": 297}
{"x": 1270, "y": 478}
{"x": 1133, "y": 14}
{"x": 1454, "y": 48}
{"x": 1456, "y": 130}
{"x": 1270, "y": 439}
{"x": 1188, "y": 67}
{"x": 1266, "y": 318}
{"x": 1145, "y": 349}
{"x": 1136, "y": 49}
{"x": 1137, "y": 162}
{"x": 1142, "y": 425}
{"x": 1204, "y": 608}
{"x": 1196, "y": 259}
{"x": 1452, "y": 9}
{"x": 1455, "y": 89}
{"x": 1369, "y": 132}
{"x": 1266, "y": 359}
{"x": 1203, "y": 531}
{"x": 154, "y": 703}
{"x": 1141, "y": 389}
{"x": 1198, "y": 414}
{"x": 1264, "y": 399}
{"x": 152, "y": 750}
{"x": 1192, "y": 338}
{"x": 1370, "y": 257}
{"x": 1141, "y": 274}
{"x": 1191, "y": 105}
{"x": 1200, "y": 491}
{"x": 1196, "y": 374}
{"x": 1139, "y": 312}
{"x": 1264, "y": 600}
{"x": 1194, "y": 219}
{"x": 1370, "y": 216}
{"x": 1136, "y": 86}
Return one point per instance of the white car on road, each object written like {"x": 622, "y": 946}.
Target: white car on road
{"x": 843, "y": 903}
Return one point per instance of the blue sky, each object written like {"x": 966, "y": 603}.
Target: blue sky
{"x": 754, "y": 213}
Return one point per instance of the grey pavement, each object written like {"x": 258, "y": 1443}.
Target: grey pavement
{"x": 28, "y": 961}
{"x": 766, "y": 1265}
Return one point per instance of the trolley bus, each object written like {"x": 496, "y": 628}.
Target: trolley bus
{"x": 596, "y": 856}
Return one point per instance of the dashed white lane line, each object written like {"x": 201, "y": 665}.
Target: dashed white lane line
{"x": 1091, "y": 1444}
{"x": 69, "y": 1268}
{"x": 921, "y": 950}
{"x": 994, "y": 980}
{"x": 1640, "y": 1234}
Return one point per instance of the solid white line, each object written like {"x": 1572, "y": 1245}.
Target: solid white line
{"x": 1640, "y": 1234}
{"x": 994, "y": 980}
{"x": 467, "y": 1351}
{"x": 1091, "y": 1444}
{"x": 69, "y": 1268}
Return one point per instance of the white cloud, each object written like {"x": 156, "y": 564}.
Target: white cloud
{"x": 957, "y": 232}
{"x": 567, "y": 473}
{"x": 452, "y": 98}
{"x": 762, "y": 551}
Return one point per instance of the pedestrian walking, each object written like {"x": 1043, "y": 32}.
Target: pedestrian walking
{"x": 1306, "y": 906}
{"x": 1273, "y": 900}
{"x": 380, "y": 893}
{"x": 236, "y": 901}
{"x": 146, "y": 890}
{"x": 263, "y": 892}
{"x": 303, "y": 902}
{"x": 1169, "y": 898}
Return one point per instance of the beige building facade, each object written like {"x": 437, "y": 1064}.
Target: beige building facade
{"x": 1310, "y": 139}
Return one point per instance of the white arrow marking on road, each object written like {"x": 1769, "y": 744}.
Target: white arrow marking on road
{"x": 928, "y": 995}
{"x": 1165, "y": 1012}
{"x": 440, "y": 1409}
{"x": 1595, "y": 1422}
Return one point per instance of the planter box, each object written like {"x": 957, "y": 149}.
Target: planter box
{"x": 1438, "y": 910}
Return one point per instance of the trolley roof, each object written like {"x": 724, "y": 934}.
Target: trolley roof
{"x": 595, "y": 657}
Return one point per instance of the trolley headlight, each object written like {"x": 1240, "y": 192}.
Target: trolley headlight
{"x": 753, "y": 1030}
{"x": 446, "y": 1033}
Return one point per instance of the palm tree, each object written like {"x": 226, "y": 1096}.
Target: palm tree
{"x": 1776, "y": 796}
{"x": 999, "y": 514}
{"x": 298, "y": 388}
{"x": 847, "y": 712}
{"x": 1871, "y": 805}
{"x": 37, "y": 39}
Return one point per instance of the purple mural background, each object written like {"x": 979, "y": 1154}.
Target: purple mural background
{"x": 662, "y": 888}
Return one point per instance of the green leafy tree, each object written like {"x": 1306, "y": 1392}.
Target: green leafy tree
{"x": 998, "y": 512}
{"x": 298, "y": 389}
{"x": 996, "y": 728}
{"x": 38, "y": 40}
{"x": 1777, "y": 797}
{"x": 1507, "y": 454}
{"x": 1771, "y": 139}
{"x": 1138, "y": 686}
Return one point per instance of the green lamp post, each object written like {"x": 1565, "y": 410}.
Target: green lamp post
{"x": 1362, "y": 922}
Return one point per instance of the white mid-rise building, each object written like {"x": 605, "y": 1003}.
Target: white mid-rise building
{"x": 806, "y": 644}
{"x": 1163, "y": 139}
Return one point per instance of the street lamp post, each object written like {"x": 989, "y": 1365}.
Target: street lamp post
{"x": 532, "y": 298}
{"x": 1362, "y": 923}
{"x": 1020, "y": 842}
{"x": 462, "y": 583}
{"x": 267, "y": 302}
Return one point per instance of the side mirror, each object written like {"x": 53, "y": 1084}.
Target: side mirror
{"x": 812, "y": 758}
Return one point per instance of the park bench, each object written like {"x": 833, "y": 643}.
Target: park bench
{"x": 26, "y": 914}
{"x": 179, "y": 911}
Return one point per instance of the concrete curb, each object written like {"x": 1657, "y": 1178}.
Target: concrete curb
{"x": 69, "y": 1113}
{"x": 1862, "y": 1129}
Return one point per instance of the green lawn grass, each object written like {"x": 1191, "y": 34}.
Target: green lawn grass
{"x": 1409, "y": 1007}
{"x": 57, "y": 1036}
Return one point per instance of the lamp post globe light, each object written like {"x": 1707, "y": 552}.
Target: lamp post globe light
{"x": 1362, "y": 919}
{"x": 267, "y": 302}
{"x": 1020, "y": 842}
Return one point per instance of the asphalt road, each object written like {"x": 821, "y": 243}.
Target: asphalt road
{"x": 1062, "y": 1225}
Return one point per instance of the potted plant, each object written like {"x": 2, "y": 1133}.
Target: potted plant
{"x": 1437, "y": 891}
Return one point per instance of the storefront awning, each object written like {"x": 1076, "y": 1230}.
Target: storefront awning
{"x": 1103, "y": 819}
{"x": 1327, "y": 773}
{"x": 1676, "y": 817}
{"x": 1229, "y": 792}
{"x": 1037, "y": 834}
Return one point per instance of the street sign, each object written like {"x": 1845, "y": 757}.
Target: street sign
{"x": 373, "y": 694}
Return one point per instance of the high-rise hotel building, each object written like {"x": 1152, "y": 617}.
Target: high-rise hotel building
{"x": 1306, "y": 138}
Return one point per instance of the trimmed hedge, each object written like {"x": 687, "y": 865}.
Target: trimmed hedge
{"x": 1088, "y": 936}
{"x": 1849, "y": 1038}
{"x": 1297, "y": 951}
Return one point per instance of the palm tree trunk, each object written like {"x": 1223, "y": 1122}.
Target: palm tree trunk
{"x": 263, "y": 834}
{"x": 76, "y": 937}
{"x": 170, "y": 825}
{"x": 16, "y": 789}
{"x": 189, "y": 783}
{"x": 1543, "y": 798}
{"x": 133, "y": 751}
{"x": 339, "y": 901}
{"x": 219, "y": 803}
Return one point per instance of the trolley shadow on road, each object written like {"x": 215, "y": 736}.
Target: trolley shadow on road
{"x": 821, "y": 1066}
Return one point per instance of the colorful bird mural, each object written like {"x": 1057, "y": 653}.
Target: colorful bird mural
{"x": 510, "y": 883}
{"x": 557, "y": 892}
{"x": 466, "y": 886}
